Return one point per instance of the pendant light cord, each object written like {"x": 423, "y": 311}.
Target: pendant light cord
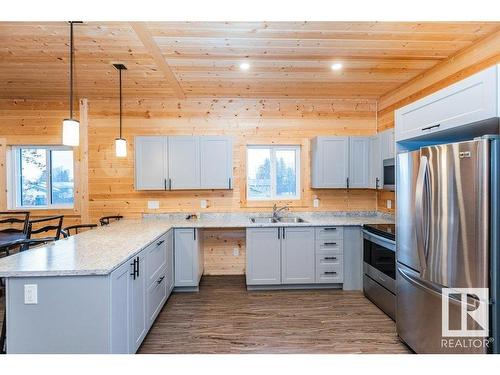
{"x": 71, "y": 70}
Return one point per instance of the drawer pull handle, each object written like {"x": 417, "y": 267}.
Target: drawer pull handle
{"x": 330, "y": 229}
{"x": 160, "y": 242}
{"x": 329, "y": 243}
{"x": 330, "y": 258}
{"x": 431, "y": 127}
{"x": 330, "y": 273}
{"x": 160, "y": 279}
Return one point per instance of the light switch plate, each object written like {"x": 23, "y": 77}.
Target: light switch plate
{"x": 153, "y": 205}
{"x": 30, "y": 294}
{"x": 236, "y": 251}
{"x": 203, "y": 203}
{"x": 389, "y": 203}
{"x": 316, "y": 203}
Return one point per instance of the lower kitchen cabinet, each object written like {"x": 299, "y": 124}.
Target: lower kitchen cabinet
{"x": 263, "y": 256}
{"x": 188, "y": 257}
{"x": 297, "y": 255}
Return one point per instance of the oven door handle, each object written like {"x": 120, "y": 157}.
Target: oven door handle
{"x": 379, "y": 240}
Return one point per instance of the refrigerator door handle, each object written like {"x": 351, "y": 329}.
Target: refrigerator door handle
{"x": 420, "y": 189}
{"x": 472, "y": 302}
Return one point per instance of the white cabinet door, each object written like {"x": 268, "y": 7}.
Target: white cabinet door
{"x": 297, "y": 255}
{"x": 263, "y": 256}
{"x": 375, "y": 163}
{"x": 170, "y": 261}
{"x": 184, "y": 162}
{"x": 216, "y": 166}
{"x": 151, "y": 164}
{"x": 120, "y": 310}
{"x": 359, "y": 162}
{"x": 473, "y": 99}
{"x": 329, "y": 162}
{"x": 187, "y": 258}
{"x": 387, "y": 144}
{"x": 137, "y": 298}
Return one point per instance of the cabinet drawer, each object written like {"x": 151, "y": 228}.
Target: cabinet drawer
{"x": 157, "y": 295}
{"x": 336, "y": 246}
{"x": 329, "y": 259}
{"x": 329, "y": 233}
{"x": 330, "y": 273}
{"x": 156, "y": 259}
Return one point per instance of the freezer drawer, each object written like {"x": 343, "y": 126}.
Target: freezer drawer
{"x": 418, "y": 315}
{"x": 380, "y": 296}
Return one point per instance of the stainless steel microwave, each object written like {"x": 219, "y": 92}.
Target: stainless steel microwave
{"x": 389, "y": 174}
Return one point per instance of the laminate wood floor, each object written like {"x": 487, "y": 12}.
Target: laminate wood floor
{"x": 225, "y": 318}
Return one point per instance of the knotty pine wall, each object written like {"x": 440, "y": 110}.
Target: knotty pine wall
{"x": 248, "y": 121}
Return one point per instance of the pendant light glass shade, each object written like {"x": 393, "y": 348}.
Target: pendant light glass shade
{"x": 71, "y": 132}
{"x": 121, "y": 147}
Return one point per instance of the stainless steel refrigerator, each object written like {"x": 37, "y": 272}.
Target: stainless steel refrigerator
{"x": 447, "y": 228}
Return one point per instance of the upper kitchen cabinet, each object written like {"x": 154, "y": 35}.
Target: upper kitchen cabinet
{"x": 216, "y": 162}
{"x": 375, "y": 162}
{"x": 387, "y": 145}
{"x": 329, "y": 162}
{"x": 183, "y": 162}
{"x": 151, "y": 163}
{"x": 359, "y": 163}
{"x": 473, "y": 99}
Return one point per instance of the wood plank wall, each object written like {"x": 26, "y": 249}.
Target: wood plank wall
{"x": 249, "y": 121}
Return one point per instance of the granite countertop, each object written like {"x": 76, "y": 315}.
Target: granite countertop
{"x": 100, "y": 251}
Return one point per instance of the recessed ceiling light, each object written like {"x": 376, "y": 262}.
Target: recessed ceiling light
{"x": 336, "y": 66}
{"x": 244, "y": 66}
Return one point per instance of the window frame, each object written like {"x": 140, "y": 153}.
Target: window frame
{"x": 273, "y": 148}
{"x": 16, "y": 185}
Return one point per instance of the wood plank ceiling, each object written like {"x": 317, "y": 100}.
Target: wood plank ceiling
{"x": 287, "y": 59}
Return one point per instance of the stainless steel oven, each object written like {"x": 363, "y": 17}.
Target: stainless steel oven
{"x": 379, "y": 267}
{"x": 389, "y": 174}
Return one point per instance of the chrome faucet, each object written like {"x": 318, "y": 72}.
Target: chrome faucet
{"x": 277, "y": 210}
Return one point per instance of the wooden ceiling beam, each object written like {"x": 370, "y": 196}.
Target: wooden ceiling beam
{"x": 147, "y": 40}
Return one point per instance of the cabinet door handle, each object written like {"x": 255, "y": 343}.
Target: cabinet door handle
{"x": 160, "y": 242}
{"x": 138, "y": 266}
{"x": 283, "y": 233}
{"x": 169, "y": 184}
{"x": 229, "y": 183}
{"x": 134, "y": 264}
{"x": 329, "y": 243}
{"x": 330, "y": 273}
{"x": 377, "y": 180}
{"x": 431, "y": 127}
{"x": 279, "y": 233}
{"x": 160, "y": 279}
{"x": 194, "y": 234}
{"x": 347, "y": 182}
{"x": 165, "y": 183}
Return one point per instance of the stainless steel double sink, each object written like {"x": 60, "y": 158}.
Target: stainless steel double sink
{"x": 269, "y": 220}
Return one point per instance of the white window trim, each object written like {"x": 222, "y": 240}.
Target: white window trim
{"x": 14, "y": 185}
{"x": 273, "y": 149}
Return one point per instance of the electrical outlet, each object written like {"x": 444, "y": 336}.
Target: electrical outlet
{"x": 236, "y": 251}
{"x": 203, "y": 203}
{"x": 153, "y": 205}
{"x": 315, "y": 202}
{"x": 30, "y": 294}
{"x": 389, "y": 203}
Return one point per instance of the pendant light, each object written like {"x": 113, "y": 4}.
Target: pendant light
{"x": 120, "y": 143}
{"x": 71, "y": 127}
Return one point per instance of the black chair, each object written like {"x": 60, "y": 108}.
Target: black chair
{"x": 44, "y": 225}
{"x": 66, "y": 232}
{"x": 13, "y": 227}
{"x": 105, "y": 220}
{"x": 23, "y": 246}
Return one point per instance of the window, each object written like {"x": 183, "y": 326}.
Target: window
{"x": 42, "y": 177}
{"x": 273, "y": 172}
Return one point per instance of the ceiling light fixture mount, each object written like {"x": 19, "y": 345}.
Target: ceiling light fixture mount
{"x": 245, "y": 66}
{"x": 71, "y": 127}
{"x": 120, "y": 143}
